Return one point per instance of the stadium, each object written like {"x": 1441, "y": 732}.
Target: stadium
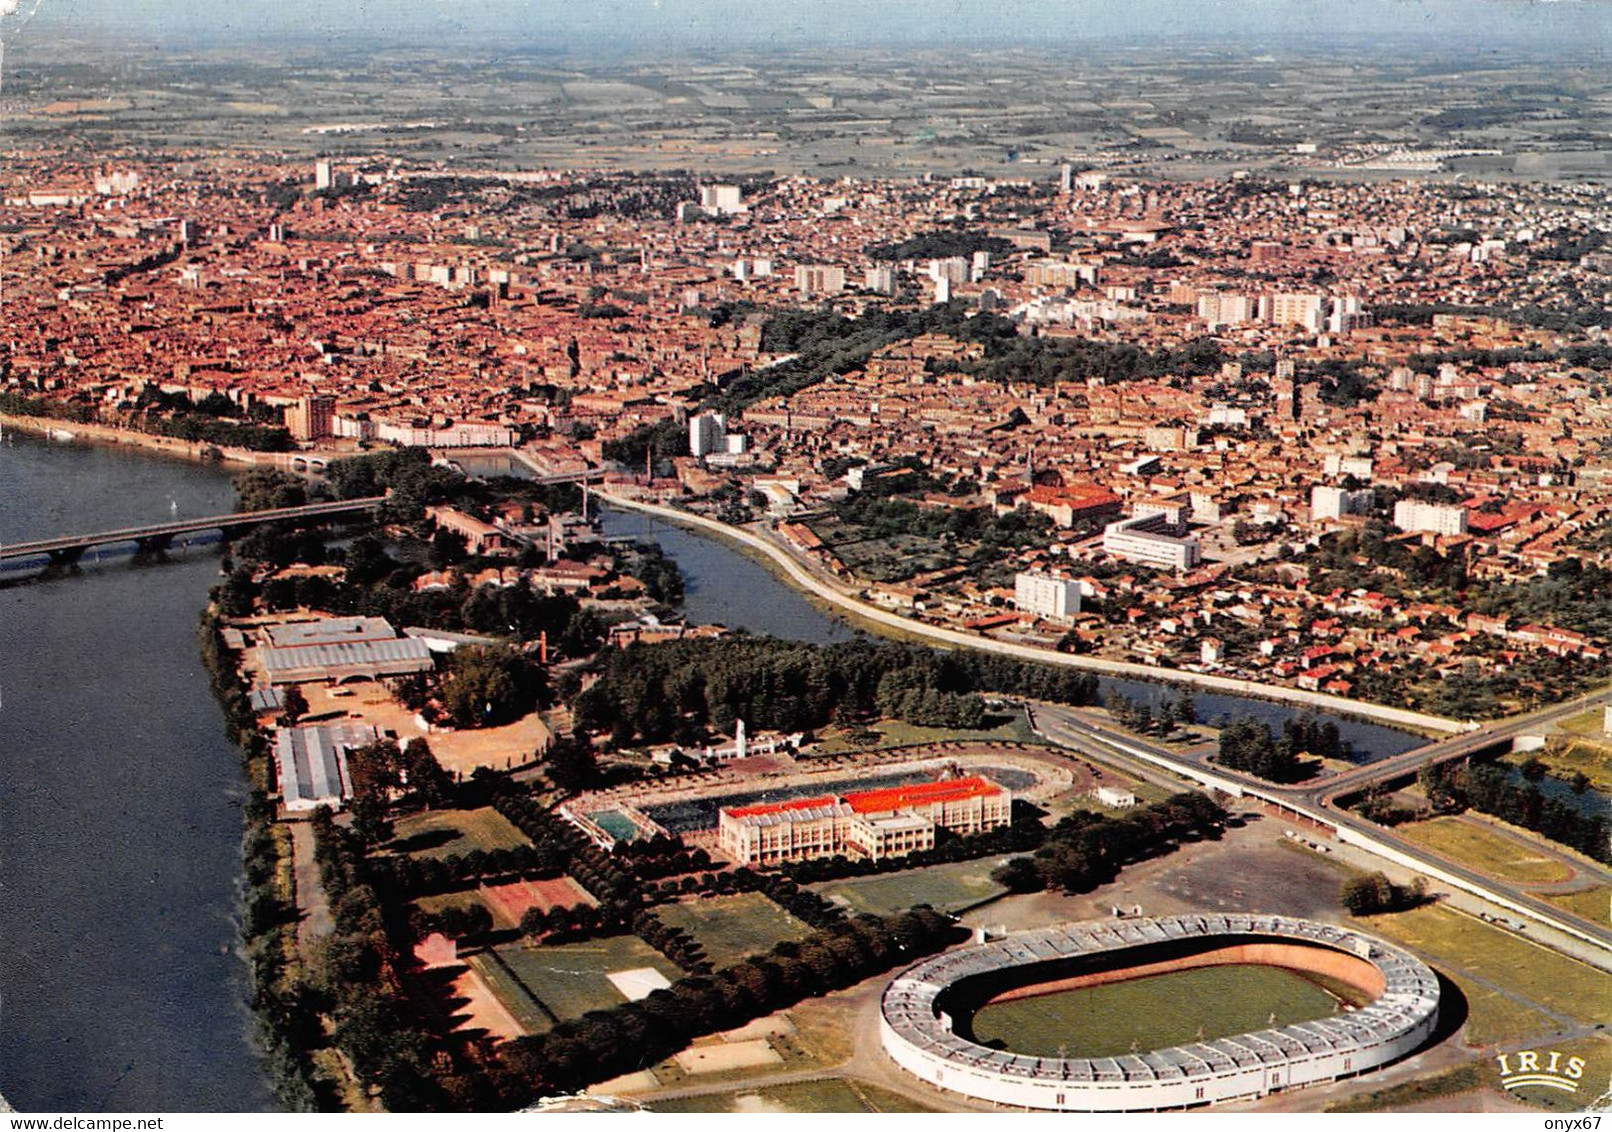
{"x": 928, "y": 1012}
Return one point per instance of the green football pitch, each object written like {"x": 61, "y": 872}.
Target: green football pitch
{"x": 1153, "y": 1012}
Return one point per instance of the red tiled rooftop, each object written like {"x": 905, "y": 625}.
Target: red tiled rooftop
{"x": 923, "y": 793}
{"x": 762, "y": 808}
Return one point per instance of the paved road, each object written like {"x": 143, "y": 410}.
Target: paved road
{"x": 317, "y": 921}
{"x": 1065, "y": 726}
{"x": 812, "y": 578}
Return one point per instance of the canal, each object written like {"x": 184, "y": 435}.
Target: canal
{"x": 724, "y": 586}
{"x": 120, "y": 807}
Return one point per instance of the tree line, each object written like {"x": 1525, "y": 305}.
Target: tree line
{"x": 675, "y": 691}
{"x": 635, "y": 1035}
{"x": 1249, "y": 745}
{"x": 1490, "y": 788}
{"x": 1087, "y": 849}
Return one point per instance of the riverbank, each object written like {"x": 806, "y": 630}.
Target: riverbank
{"x": 883, "y": 621}
{"x": 192, "y": 451}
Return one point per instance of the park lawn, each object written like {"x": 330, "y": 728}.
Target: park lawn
{"x": 1591, "y": 903}
{"x": 569, "y": 978}
{"x": 829, "y": 1095}
{"x": 946, "y": 888}
{"x": 1484, "y": 849}
{"x": 1596, "y": 1050}
{"x": 1507, "y": 960}
{"x": 1496, "y": 1019}
{"x": 731, "y": 928}
{"x": 452, "y": 833}
{"x": 898, "y": 733}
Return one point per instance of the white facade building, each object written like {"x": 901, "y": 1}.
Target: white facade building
{"x": 1336, "y": 502}
{"x": 1434, "y": 518}
{"x": 1046, "y": 596}
{"x": 707, "y": 433}
{"x": 1150, "y": 540}
{"x": 723, "y": 200}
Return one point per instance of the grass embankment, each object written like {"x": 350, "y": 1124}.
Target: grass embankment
{"x": 1592, "y": 903}
{"x": 1485, "y": 850}
{"x": 1582, "y": 747}
{"x": 1505, "y": 977}
{"x": 1462, "y": 1079}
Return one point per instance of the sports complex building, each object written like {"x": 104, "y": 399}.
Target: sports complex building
{"x": 873, "y": 824}
{"x": 923, "y": 1005}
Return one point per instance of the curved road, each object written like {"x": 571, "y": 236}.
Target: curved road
{"x": 1316, "y": 801}
{"x": 810, "y": 579}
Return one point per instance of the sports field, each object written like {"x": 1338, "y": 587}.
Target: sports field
{"x": 546, "y": 984}
{"x": 452, "y": 833}
{"x": 1486, "y": 850}
{"x": 945, "y": 887}
{"x": 1153, "y": 1012}
{"x": 733, "y": 927}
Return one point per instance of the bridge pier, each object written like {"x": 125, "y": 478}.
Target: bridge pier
{"x": 64, "y": 560}
{"x": 152, "y": 546}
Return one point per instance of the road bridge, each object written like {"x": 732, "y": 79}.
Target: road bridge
{"x": 66, "y": 549}
{"x": 1315, "y": 802}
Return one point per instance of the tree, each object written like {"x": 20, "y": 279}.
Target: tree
{"x": 489, "y": 686}
{"x": 293, "y": 706}
{"x": 1017, "y": 874}
{"x": 1374, "y": 893}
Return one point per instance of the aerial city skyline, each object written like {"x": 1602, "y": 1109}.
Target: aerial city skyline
{"x": 695, "y": 557}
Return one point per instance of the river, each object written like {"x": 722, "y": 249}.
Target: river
{"x": 120, "y": 798}
{"x": 724, "y": 586}
{"x": 120, "y": 819}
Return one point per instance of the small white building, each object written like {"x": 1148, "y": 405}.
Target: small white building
{"x": 1116, "y": 798}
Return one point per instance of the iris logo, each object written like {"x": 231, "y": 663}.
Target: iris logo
{"x": 1548, "y": 1070}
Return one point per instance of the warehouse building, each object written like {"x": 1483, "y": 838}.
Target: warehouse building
{"x": 347, "y": 660}
{"x": 311, "y": 763}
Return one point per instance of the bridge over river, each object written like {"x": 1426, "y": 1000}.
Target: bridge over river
{"x": 66, "y": 549}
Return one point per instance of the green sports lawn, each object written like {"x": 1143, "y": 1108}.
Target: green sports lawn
{"x": 733, "y": 927}
{"x": 452, "y": 833}
{"x": 945, "y": 887}
{"x": 1153, "y": 1012}
{"x": 569, "y": 979}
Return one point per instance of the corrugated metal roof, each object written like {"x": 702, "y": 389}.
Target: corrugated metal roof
{"x": 331, "y": 630}
{"x": 312, "y": 761}
{"x": 345, "y": 654}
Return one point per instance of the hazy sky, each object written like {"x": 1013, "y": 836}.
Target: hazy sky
{"x": 645, "y": 25}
